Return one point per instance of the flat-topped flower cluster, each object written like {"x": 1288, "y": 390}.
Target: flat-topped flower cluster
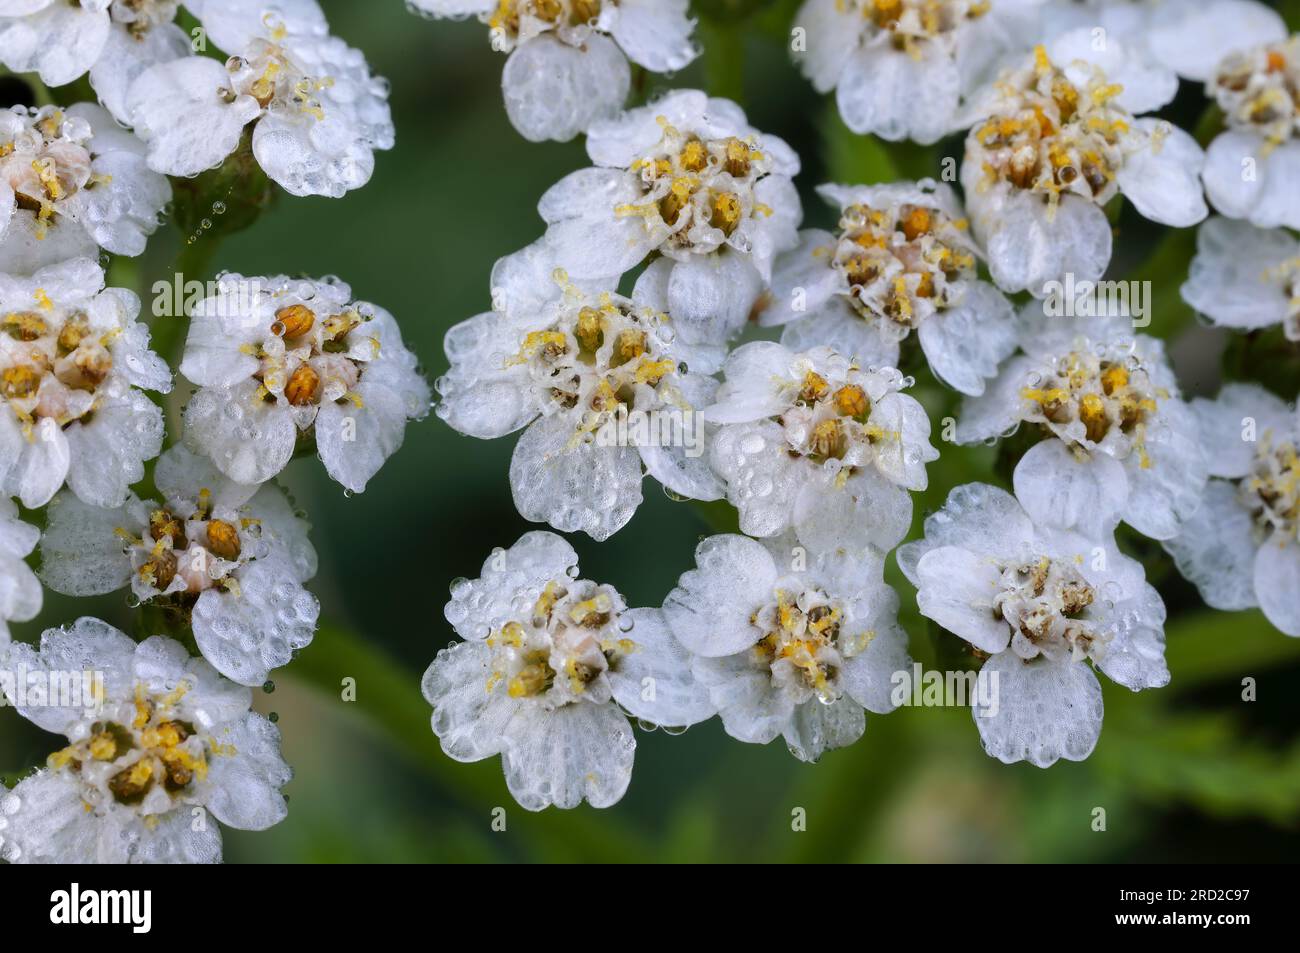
{"x": 164, "y": 744}
{"x": 661, "y": 262}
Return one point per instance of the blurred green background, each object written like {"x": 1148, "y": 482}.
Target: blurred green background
{"x": 1190, "y": 772}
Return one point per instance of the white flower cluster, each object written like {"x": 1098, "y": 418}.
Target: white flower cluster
{"x": 162, "y": 744}
{"x": 790, "y": 629}
{"x": 568, "y": 59}
{"x": 315, "y": 113}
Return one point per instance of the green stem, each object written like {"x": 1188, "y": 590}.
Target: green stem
{"x": 724, "y": 60}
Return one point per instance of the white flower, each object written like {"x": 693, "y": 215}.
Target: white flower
{"x": 901, "y": 260}
{"x": 816, "y": 443}
{"x": 1178, "y": 37}
{"x": 1039, "y": 603}
{"x": 907, "y": 69}
{"x": 574, "y": 370}
{"x": 72, "y": 181}
{"x": 1241, "y": 547}
{"x": 1120, "y": 444}
{"x": 318, "y": 113}
{"x": 72, "y": 357}
{"x": 1059, "y": 142}
{"x": 788, "y": 643}
{"x": 1245, "y": 277}
{"x": 172, "y": 743}
{"x": 568, "y": 64}
{"x": 1251, "y": 167}
{"x": 20, "y": 592}
{"x": 547, "y": 662}
{"x": 686, "y": 177}
{"x": 114, "y": 40}
{"x": 281, "y": 360}
{"x": 229, "y": 559}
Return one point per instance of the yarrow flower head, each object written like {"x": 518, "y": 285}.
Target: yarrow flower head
{"x": 227, "y": 559}
{"x": 318, "y": 113}
{"x": 689, "y": 178}
{"x": 113, "y": 40}
{"x": 20, "y": 591}
{"x": 547, "y": 662}
{"x": 789, "y": 643}
{"x": 1245, "y": 277}
{"x": 1120, "y": 444}
{"x": 1037, "y": 604}
{"x": 568, "y": 59}
{"x": 72, "y": 181}
{"x": 1242, "y": 546}
{"x": 73, "y": 360}
{"x": 1166, "y": 39}
{"x": 1058, "y": 143}
{"x": 603, "y": 384}
{"x": 908, "y": 69}
{"x": 902, "y": 260}
{"x": 168, "y": 742}
{"x": 1250, "y": 168}
{"x": 280, "y": 361}
{"x": 818, "y": 444}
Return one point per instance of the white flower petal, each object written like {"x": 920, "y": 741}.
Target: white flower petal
{"x": 248, "y": 439}
{"x": 1146, "y": 86}
{"x": 1162, "y": 178}
{"x": 1029, "y": 246}
{"x": 469, "y": 718}
{"x": 573, "y": 485}
{"x": 1167, "y": 480}
{"x": 831, "y": 38}
{"x": 40, "y": 468}
{"x": 60, "y": 41}
{"x": 1058, "y": 489}
{"x": 1191, "y": 38}
{"x": 234, "y": 24}
{"x": 81, "y": 553}
{"x": 976, "y": 517}
{"x": 1215, "y": 549}
{"x": 108, "y": 452}
{"x": 815, "y": 728}
{"x": 127, "y": 55}
{"x": 867, "y": 509}
{"x": 897, "y": 95}
{"x": 956, "y": 588}
{"x": 577, "y": 752}
{"x": 555, "y": 91}
{"x": 248, "y": 634}
{"x": 244, "y": 784}
{"x": 868, "y": 676}
{"x": 1277, "y": 583}
{"x": 1233, "y": 424}
{"x": 709, "y": 611}
{"x": 1046, "y": 710}
{"x": 965, "y": 344}
{"x": 1234, "y": 278}
{"x": 656, "y": 34}
{"x": 586, "y": 237}
{"x": 751, "y": 708}
{"x": 654, "y": 682}
{"x": 838, "y": 326}
{"x": 710, "y": 297}
{"x": 178, "y": 109}
{"x": 355, "y": 441}
{"x": 1243, "y": 180}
